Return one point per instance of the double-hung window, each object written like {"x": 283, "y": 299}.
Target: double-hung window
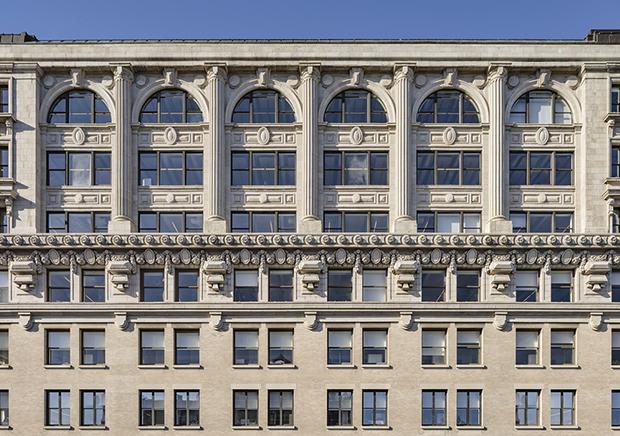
{"x": 374, "y": 285}
{"x": 58, "y": 286}
{"x": 186, "y": 347}
{"x": 151, "y": 408}
{"x": 152, "y": 348}
{"x": 93, "y": 347}
{"x": 355, "y": 168}
{"x": 246, "y": 285}
{"x": 280, "y": 285}
{"x": 433, "y": 347}
{"x": 58, "y": 347}
{"x": 433, "y": 408}
{"x": 527, "y": 348}
{"x": 4, "y": 347}
{"x": 339, "y": 285}
{"x": 152, "y": 289}
{"x": 245, "y": 347}
{"x": 280, "y": 347}
{"x": 93, "y": 286}
{"x": 561, "y": 286}
{"x": 468, "y": 347}
{"x": 615, "y": 347}
{"x": 527, "y": 408}
{"x": 4, "y": 286}
{"x": 615, "y": 286}
{"x": 339, "y": 347}
{"x": 562, "y": 408}
{"x": 340, "y": 408}
{"x": 526, "y": 286}
{"x": 4, "y": 408}
{"x": 78, "y": 168}
{"x": 280, "y": 413}
{"x": 562, "y": 347}
{"x": 467, "y": 286}
{"x": 434, "y": 286}
{"x": 263, "y": 168}
{"x": 468, "y": 408}
{"x": 186, "y": 408}
{"x": 374, "y": 408}
{"x": 4, "y": 99}
{"x": 186, "y": 285}
{"x": 374, "y": 347}
{"x": 615, "y": 408}
{"x": 245, "y": 408}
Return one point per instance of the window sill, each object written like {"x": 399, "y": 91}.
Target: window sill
{"x": 612, "y": 367}
{"x": 5, "y": 427}
{"x": 252, "y": 366}
{"x": 187, "y": 427}
{"x": 473, "y": 366}
{"x": 93, "y": 427}
{"x": 376, "y": 427}
{"x": 152, "y": 427}
{"x": 152, "y": 366}
{"x": 192, "y": 366}
{"x": 282, "y": 427}
{"x": 529, "y": 427}
{"x": 58, "y": 366}
{"x": 283, "y": 366}
{"x": 344, "y": 366}
{"x": 428, "y": 366}
{"x": 378, "y": 366}
{"x": 57, "y": 427}
{"x": 97, "y": 366}
{"x": 246, "y": 427}
{"x": 352, "y": 427}
{"x": 564, "y": 427}
{"x": 436, "y": 427}
{"x": 10, "y": 367}
{"x": 471, "y": 427}
{"x": 537, "y": 366}
{"x": 564, "y": 366}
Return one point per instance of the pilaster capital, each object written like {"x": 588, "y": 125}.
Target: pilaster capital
{"x": 403, "y": 72}
{"x": 122, "y": 72}
{"x": 216, "y": 72}
{"x": 309, "y": 72}
{"x": 497, "y": 72}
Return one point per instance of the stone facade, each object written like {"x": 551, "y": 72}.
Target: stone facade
{"x": 309, "y": 74}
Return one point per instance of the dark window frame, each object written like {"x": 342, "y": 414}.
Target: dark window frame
{"x": 278, "y": 170}
{"x": 372, "y": 116}
{"x": 462, "y": 169}
{"x": 441, "y": 297}
{"x": 340, "y": 355}
{"x": 95, "y": 171}
{"x": 555, "y": 97}
{"x": 287, "y": 354}
{"x": 438, "y": 213}
{"x": 553, "y": 214}
{"x": 50, "y": 351}
{"x": 145, "y": 289}
{"x": 184, "y": 112}
{"x": 193, "y": 352}
{"x": 462, "y": 113}
{"x": 149, "y": 417}
{"x": 246, "y": 420}
{"x": 469, "y": 409}
{"x": 63, "y": 409}
{"x": 282, "y": 108}
{"x": 376, "y": 411}
{"x": 371, "y": 172}
{"x": 98, "y": 353}
{"x": 438, "y": 414}
{"x": 240, "y": 293}
{"x": 250, "y": 215}
{"x": 158, "y": 215}
{"x": 50, "y": 291}
{"x": 185, "y": 169}
{"x": 94, "y": 215}
{"x": 253, "y": 360}
{"x": 159, "y": 352}
{"x": 465, "y": 290}
{"x": 368, "y": 351}
{"x": 465, "y": 350}
{"x": 566, "y": 351}
{"x": 94, "y": 113}
{"x": 425, "y": 348}
{"x": 369, "y": 219}
{"x": 280, "y": 289}
{"x": 344, "y": 415}
{"x": 186, "y": 416}
{"x": 527, "y": 350}
{"x": 5, "y": 98}
{"x": 98, "y": 411}
{"x": 280, "y": 416}
{"x": 527, "y": 407}
{"x": 563, "y": 407}
{"x": 553, "y": 168}
{"x": 179, "y": 290}
{"x": 94, "y": 288}
{"x": 346, "y": 289}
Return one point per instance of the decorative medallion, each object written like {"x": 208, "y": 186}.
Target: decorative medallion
{"x": 234, "y": 81}
{"x": 263, "y": 136}
{"x": 420, "y": 80}
{"x": 449, "y": 136}
{"x": 48, "y": 81}
{"x": 327, "y": 80}
{"x": 513, "y": 81}
{"x": 356, "y": 136}
{"x": 542, "y": 136}
{"x": 78, "y": 136}
{"x": 141, "y": 80}
{"x": 170, "y": 135}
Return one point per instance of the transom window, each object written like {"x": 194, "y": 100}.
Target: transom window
{"x": 448, "y": 168}
{"x": 79, "y": 106}
{"x": 171, "y": 106}
{"x": 170, "y": 168}
{"x": 541, "y": 168}
{"x": 170, "y": 222}
{"x": 78, "y": 168}
{"x": 542, "y": 222}
{"x": 263, "y": 222}
{"x": 449, "y": 107}
{"x": 448, "y": 222}
{"x": 263, "y": 106}
{"x": 263, "y": 168}
{"x": 540, "y": 107}
{"x": 355, "y": 222}
{"x": 355, "y": 106}
{"x": 77, "y": 222}
{"x": 355, "y": 168}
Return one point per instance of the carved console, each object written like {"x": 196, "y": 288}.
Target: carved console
{"x": 310, "y": 272}
{"x": 500, "y": 272}
{"x": 405, "y": 272}
{"x": 24, "y": 274}
{"x": 215, "y": 271}
{"x": 595, "y": 273}
{"x": 120, "y": 271}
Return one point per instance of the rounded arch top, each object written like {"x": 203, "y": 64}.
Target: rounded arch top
{"x": 159, "y": 85}
{"x": 64, "y": 87}
{"x": 374, "y": 88}
{"x": 282, "y": 88}
{"x": 553, "y": 86}
{"x": 466, "y": 88}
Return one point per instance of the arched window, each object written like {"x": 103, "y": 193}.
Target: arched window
{"x": 355, "y": 106}
{"x": 79, "y": 106}
{"x": 540, "y": 107}
{"x": 263, "y": 106}
{"x": 449, "y": 107}
{"x": 171, "y": 106}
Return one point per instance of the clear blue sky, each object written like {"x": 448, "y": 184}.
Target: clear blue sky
{"x": 113, "y": 19}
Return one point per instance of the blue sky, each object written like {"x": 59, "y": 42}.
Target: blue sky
{"x": 113, "y": 19}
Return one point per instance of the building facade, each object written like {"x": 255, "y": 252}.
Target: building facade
{"x": 310, "y": 237}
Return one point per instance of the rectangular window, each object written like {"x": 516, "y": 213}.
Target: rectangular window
{"x": 186, "y": 408}
{"x": 4, "y": 408}
{"x": 468, "y": 408}
{"x": 77, "y": 222}
{"x": 355, "y": 222}
{"x": 170, "y": 168}
{"x": 92, "y": 408}
{"x": 448, "y": 222}
{"x": 448, "y": 168}
{"x": 152, "y": 347}
{"x": 4, "y": 286}
{"x": 152, "y": 289}
{"x": 280, "y": 412}
{"x": 246, "y": 285}
{"x": 562, "y": 347}
{"x": 93, "y": 347}
{"x": 339, "y": 347}
{"x": 151, "y": 408}
{"x": 280, "y": 285}
{"x": 246, "y": 347}
{"x": 468, "y": 347}
{"x": 187, "y": 286}
{"x": 4, "y": 347}
{"x": 562, "y": 408}
{"x": 542, "y": 222}
{"x": 527, "y": 408}
{"x": 4, "y": 162}
{"x": 434, "y": 286}
{"x": 5, "y": 222}
{"x": 615, "y": 161}
{"x": 355, "y": 168}
{"x": 4, "y": 99}
{"x": 263, "y": 168}
{"x": 187, "y": 347}
{"x": 467, "y": 286}
{"x": 374, "y": 285}
{"x": 561, "y": 286}
{"x": 57, "y": 408}
{"x": 78, "y": 169}
{"x": 280, "y": 347}
{"x": 170, "y": 222}
{"x": 58, "y": 286}
{"x": 245, "y": 408}
{"x": 615, "y": 286}
{"x": 527, "y": 347}
{"x": 433, "y": 408}
{"x": 615, "y": 99}
{"x": 263, "y": 222}
{"x": 433, "y": 347}
{"x": 58, "y": 347}
{"x": 615, "y": 408}
{"x": 339, "y": 285}
{"x": 340, "y": 408}
{"x": 374, "y": 408}
{"x": 615, "y": 347}
{"x": 526, "y": 286}
{"x": 93, "y": 286}
{"x": 374, "y": 347}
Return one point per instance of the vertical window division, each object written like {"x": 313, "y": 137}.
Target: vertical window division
{"x": 542, "y": 222}
{"x": 151, "y": 408}
{"x": 78, "y": 222}
{"x": 4, "y": 286}
{"x": 448, "y": 168}
{"x": 340, "y": 408}
{"x": 448, "y": 222}
{"x": 615, "y": 286}
{"x": 615, "y": 408}
{"x": 433, "y": 408}
{"x": 562, "y": 408}
{"x": 468, "y": 408}
{"x": 280, "y": 413}
{"x": 245, "y": 408}
{"x": 4, "y": 408}
{"x": 280, "y": 347}
{"x": 187, "y": 347}
{"x": 186, "y": 285}
{"x": 92, "y": 408}
{"x": 448, "y": 107}
{"x": 467, "y": 286}
{"x": 615, "y": 161}
{"x": 152, "y": 347}
{"x": 355, "y": 222}
{"x": 434, "y": 286}
{"x": 615, "y": 347}
{"x": 263, "y": 106}
{"x": 245, "y": 347}
{"x": 374, "y": 347}
{"x": 526, "y": 286}
{"x": 281, "y": 285}
{"x": 339, "y": 347}
{"x": 339, "y": 285}
{"x": 374, "y": 285}
{"x": 171, "y": 106}
{"x": 561, "y": 286}
{"x": 615, "y": 99}
{"x": 355, "y": 168}
{"x": 468, "y": 347}
{"x": 93, "y": 347}
{"x": 170, "y": 222}
{"x": 79, "y": 107}
{"x": 4, "y": 98}
{"x": 527, "y": 408}
{"x": 84, "y": 168}
{"x": 58, "y": 286}
{"x": 355, "y": 106}
{"x": 4, "y": 347}
{"x": 263, "y": 222}
{"x": 170, "y": 168}
{"x": 152, "y": 289}
{"x": 5, "y": 221}
{"x": 527, "y": 348}
{"x": 57, "y": 408}
{"x": 246, "y": 285}
{"x": 562, "y": 347}
{"x": 186, "y": 408}
{"x": 540, "y": 107}
{"x": 58, "y": 347}
{"x": 541, "y": 168}
{"x": 263, "y": 168}
{"x": 93, "y": 286}
{"x": 374, "y": 408}
{"x": 433, "y": 347}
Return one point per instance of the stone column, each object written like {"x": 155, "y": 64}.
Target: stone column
{"x": 497, "y": 156}
{"x": 122, "y": 155}
{"x": 216, "y": 186}
{"x": 308, "y": 220}
{"x": 402, "y": 159}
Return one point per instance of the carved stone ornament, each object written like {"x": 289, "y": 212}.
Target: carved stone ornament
{"x": 78, "y": 136}
{"x": 513, "y": 81}
{"x": 263, "y": 136}
{"x": 263, "y": 76}
{"x": 216, "y": 321}
{"x": 500, "y": 321}
{"x": 356, "y": 136}
{"x": 327, "y": 80}
{"x": 542, "y": 136}
{"x": 107, "y": 81}
{"x": 311, "y": 321}
{"x": 141, "y": 80}
{"x": 500, "y": 271}
{"x": 449, "y": 136}
{"x": 170, "y": 77}
{"x": 356, "y": 76}
{"x": 596, "y": 321}
{"x": 234, "y": 81}
{"x": 49, "y": 81}
{"x": 406, "y": 321}
{"x": 121, "y": 320}
{"x": 405, "y": 272}
{"x": 24, "y": 274}
{"x": 215, "y": 271}
{"x": 450, "y": 77}
{"x": 120, "y": 270}
{"x": 420, "y": 80}
{"x": 26, "y": 320}
{"x": 543, "y": 78}
{"x": 310, "y": 272}
{"x": 170, "y": 135}
{"x": 595, "y": 274}
{"x": 77, "y": 77}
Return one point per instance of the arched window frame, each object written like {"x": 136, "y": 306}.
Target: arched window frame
{"x": 557, "y": 117}
{"x": 376, "y": 115}
{"x": 463, "y": 114}
{"x": 195, "y": 113}
{"x": 283, "y": 112}
{"x": 99, "y": 112}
